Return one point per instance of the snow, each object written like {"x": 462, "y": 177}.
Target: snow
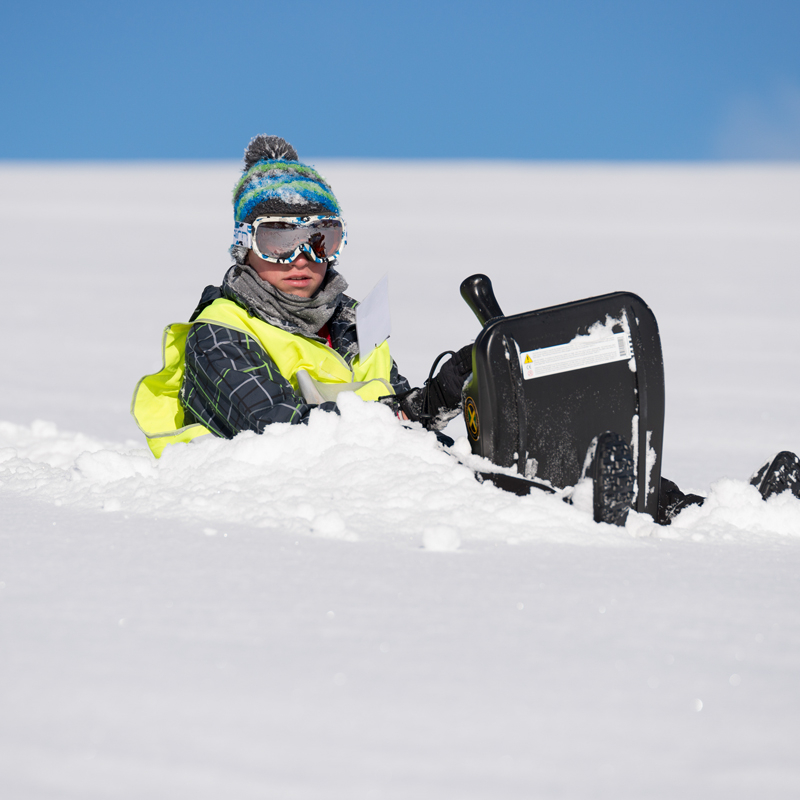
{"x": 341, "y": 609}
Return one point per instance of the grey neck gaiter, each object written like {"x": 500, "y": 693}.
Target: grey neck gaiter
{"x": 305, "y": 315}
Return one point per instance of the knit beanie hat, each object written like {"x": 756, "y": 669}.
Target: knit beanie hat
{"x": 275, "y": 183}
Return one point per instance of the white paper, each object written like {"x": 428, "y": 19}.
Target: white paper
{"x": 373, "y": 321}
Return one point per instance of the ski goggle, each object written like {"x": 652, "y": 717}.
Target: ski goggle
{"x": 281, "y": 239}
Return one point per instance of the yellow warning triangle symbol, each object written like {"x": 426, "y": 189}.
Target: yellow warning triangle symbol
{"x": 528, "y": 359}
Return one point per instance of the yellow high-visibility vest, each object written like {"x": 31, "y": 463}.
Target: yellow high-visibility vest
{"x": 156, "y": 406}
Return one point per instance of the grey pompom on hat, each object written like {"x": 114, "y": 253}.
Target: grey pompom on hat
{"x": 268, "y": 148}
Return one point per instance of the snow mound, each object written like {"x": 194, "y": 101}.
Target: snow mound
{"x": 733, "y": 510}
{"x": 358, "y": 476}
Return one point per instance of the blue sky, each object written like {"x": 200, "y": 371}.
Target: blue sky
{"x": 563, "y": 79}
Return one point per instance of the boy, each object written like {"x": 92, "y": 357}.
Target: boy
{"x": 279, "y": 330}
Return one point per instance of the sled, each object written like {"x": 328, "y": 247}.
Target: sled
{"x": 547, "y": 382}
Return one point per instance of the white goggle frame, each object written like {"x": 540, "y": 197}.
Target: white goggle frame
{"x": 244, "y": 234}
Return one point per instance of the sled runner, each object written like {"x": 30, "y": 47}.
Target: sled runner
{"x": 545, "y": 383}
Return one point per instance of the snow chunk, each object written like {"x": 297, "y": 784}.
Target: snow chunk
{"x": 441, "y": 539}
{"x": 332, "y": 526}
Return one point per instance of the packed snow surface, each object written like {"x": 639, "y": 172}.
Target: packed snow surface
{"x": 340, "y": 609}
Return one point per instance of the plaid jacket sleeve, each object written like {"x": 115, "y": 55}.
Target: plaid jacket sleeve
{"x": 232, "y": 385}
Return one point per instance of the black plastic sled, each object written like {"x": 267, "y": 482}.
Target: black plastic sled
{"x": 545, "y": 383}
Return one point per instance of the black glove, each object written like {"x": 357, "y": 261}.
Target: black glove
{"x": 444, "y": 391}
{"x": 440, "y": 400}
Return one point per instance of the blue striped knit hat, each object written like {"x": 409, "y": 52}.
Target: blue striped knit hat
{"x": 275, "y": 183}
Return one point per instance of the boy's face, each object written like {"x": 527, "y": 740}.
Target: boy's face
{"x": 302, "y": 277}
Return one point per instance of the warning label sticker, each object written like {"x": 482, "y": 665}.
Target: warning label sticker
{"x": 581, "y": 352}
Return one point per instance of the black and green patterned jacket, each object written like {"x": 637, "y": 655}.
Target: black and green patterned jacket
{"x": 231, "y": 384}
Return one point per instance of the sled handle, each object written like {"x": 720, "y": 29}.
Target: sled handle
{"x": 478, "y": 293}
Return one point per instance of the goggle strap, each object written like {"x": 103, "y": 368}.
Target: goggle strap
{"x": 243, "y": 234}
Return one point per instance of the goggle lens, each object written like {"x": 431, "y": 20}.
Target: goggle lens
{"x": 276, "y": 239}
